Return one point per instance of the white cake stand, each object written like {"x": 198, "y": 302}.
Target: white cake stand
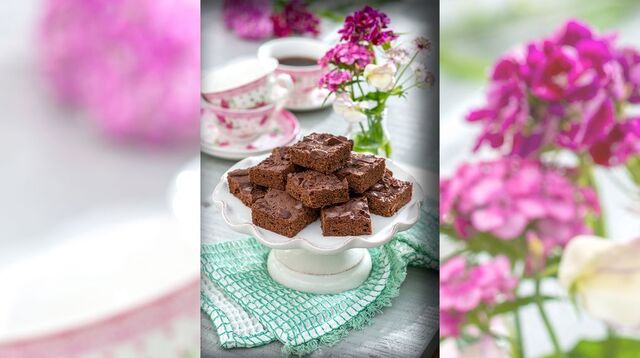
{"x": 310, "y": 262}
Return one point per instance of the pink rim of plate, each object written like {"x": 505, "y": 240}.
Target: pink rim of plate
{"x": 126, "y": 326}
{"x": 237, "y": 90}
{"x": 291, "y": 127}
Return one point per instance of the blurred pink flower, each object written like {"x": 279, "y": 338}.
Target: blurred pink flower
{"x": 249, "y": 19}
{"x": 511, "y": 197}
{"x": 133, "y": 67}
{"x": 463, "y": 287}
{"x": 295, "y": 18}
{"x": 256, "y": 20}
{"x": 563, "y": 91}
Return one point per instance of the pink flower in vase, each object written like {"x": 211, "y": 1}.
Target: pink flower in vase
{"x": 367, "y": 25}
{"x": 335, "y": 80}
{"x": 347, "y": 54}
{"x": 463, "y": 287}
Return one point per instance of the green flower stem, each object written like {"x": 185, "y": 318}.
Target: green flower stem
{"x": 547, "y": 323}
{"x": 587, "y": 178}
{"x": 633, "y": 167}
{"x": 519, "y": 348}
{"x": 402, "y": 71}
{"x": 611, "y": 347}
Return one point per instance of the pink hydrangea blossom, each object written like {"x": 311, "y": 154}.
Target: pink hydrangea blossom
{"x": 510, "y": 197}
{"x": 335, "y": 80}
{"x": 563, "y": 91}
{"x": 347, "y": 54}
{"x": 133, "y": 67}
{"x": 463, "y": 287}
{"x": 367, "y": 25}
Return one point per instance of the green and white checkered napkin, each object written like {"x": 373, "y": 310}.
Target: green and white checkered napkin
{"x": 249, "y": 309}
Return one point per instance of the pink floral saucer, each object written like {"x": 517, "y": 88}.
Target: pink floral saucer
{"x": 283, "y": 130}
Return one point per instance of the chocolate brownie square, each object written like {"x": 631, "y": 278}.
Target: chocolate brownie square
{"x": 241, "y": 187}
{"x": 316, "y": 189}
{"x": 362, "y": 171}
{"x": 272, "y": 172}
{"x": 323, "y": 152}
{"x": 388, "y": 195}
{"x": 350, "y": 218}
{"x": 282, "y": 214}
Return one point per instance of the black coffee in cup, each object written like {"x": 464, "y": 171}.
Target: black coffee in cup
{"x": 297, "y": 61}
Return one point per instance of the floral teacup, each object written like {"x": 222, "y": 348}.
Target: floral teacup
{"x": 245, "y": 84}
{"x": 243, "y": 125}
{"x": 298, "y": 58}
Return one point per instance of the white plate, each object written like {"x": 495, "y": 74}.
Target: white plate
{"x": 238, "y": 216}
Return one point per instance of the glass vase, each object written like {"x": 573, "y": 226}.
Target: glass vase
{"x": 371, "y": 136}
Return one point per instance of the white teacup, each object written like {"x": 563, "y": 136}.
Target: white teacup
{"x": 245, "y": 84}
{"x": 305, "y": 76}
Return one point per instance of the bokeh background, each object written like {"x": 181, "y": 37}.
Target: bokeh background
{"x": 99, "y": 169}
{"x": 473, "y": 35}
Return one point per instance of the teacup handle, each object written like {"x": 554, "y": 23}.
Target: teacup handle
{"x": 282, "y": 85}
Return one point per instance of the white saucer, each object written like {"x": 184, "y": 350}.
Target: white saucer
{"x": 314, "y": 101}
{"x": 284, "y": 129}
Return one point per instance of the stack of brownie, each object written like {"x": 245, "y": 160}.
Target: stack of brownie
{"x": 319, "y": 175}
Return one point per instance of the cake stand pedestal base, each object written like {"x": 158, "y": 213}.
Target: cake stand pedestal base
{"x": 322, "y": 274}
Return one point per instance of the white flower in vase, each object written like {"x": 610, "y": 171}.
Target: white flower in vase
{"x": 382, "y": 77}
{"x": 605, "y": 277}
{"x": 350, "y": 110}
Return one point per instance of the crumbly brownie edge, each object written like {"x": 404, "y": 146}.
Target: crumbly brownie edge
{"x": 280, "y": 226}
{"x": 326, "y": 165}
{"x": 318, "y": 198}
{"x": 379, "y": 207}
{"x": 361, "y": 184}
{"x": 262, "y": 177}
{"x": 345, "y": 227}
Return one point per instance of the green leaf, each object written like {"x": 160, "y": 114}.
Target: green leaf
{"x": 513, "y": 249}
{"x": 331, "y": 15}
{"x": 624, "y": 348}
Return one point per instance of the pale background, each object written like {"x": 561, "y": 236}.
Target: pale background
{"x": 59, "y": 174}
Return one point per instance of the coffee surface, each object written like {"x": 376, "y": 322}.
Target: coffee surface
{"x": 297, "y": 61}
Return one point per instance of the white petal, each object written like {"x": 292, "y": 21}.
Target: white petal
{"x": 577, "y": 255}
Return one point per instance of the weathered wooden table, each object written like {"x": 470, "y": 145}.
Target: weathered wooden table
{"x": 409, "y": 327}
